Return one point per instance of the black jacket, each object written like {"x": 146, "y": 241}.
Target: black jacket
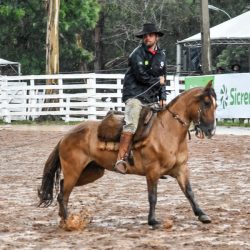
{"x": 144, "y": 71}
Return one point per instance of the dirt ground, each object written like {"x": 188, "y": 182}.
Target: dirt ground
{"x": 117, "y": 205}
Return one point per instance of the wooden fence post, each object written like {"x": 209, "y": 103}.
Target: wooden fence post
{"x": 5, "y": 101}
{"x": 86, "y": 101}
{"x": 32, "y": 99}
{"x": 176, "y": 85}
{"x": 91, "y": 82}
{"x": 60, "y": 83}
{"x": 67, "y": 109}
{"x": 119, "y": 91}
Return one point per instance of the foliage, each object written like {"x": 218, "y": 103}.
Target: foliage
{"x": 22, "y": 26}
{"x": 225, "y": 56}
{"x": 77, "y": 20}
{"x": 23, "y": 30}
{"x": 177, "y": 19}
{"x": 233, "y": 55}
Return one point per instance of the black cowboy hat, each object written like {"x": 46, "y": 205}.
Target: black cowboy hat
{"x": 148, "y": 28}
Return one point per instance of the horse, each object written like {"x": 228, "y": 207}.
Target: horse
{"x": 163, "y": 151}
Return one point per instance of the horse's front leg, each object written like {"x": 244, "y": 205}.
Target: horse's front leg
{"x": 152, "y": 198}
{"x": 62, "y": 207}
{"x": 183, "y": 180}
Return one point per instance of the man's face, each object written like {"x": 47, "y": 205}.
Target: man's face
{"x": 150, "y": 39}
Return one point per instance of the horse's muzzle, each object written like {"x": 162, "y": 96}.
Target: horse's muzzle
{"x": 209, "y": 131}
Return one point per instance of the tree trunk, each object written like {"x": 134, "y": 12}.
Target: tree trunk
{"x": 83, "y": 67}
{"x": 52, "y": 43}
{"x": 98, "y": 63}
{"x": 52, "y": 52}
{"x": 205, "y": 38}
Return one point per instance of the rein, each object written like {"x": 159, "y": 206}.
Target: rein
{"x": 196, "y": 128}
{"x": 147, "y": 89}
{"x": 177, "y": 117}
{"x": 183, "y": 123}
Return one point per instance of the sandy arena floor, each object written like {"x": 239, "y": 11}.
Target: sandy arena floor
{"x": 117, "y": 204}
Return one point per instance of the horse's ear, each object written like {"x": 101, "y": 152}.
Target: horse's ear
{"x": 207, "y": 89}
{"x": 209, "y": 85}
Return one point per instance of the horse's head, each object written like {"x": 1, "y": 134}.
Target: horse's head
{"x": 204, "y": 120}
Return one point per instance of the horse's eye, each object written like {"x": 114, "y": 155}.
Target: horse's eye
{"x": 207, "y": 103}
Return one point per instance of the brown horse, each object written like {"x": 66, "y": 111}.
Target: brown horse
{"x": 163, "y": 152}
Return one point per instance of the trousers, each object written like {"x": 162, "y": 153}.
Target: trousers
{"x": 133, "y": 108}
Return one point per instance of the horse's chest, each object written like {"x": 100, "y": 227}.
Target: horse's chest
{"x": 174, "y": 158}
{"x": 181, "y": 158}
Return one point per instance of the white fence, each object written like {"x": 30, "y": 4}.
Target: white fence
{"x": 74, "y": 97}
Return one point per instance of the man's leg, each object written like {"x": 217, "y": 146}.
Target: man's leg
{"x": 132, "y": 114}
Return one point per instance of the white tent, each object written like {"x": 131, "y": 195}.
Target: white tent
{"x": 4, "y": 63}
{"x": 233, "y": 31}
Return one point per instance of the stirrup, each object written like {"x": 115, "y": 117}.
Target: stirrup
{"x": 117, "y": 169}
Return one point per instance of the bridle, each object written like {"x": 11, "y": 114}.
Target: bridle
{"x": 178, "y": 118}
{"x": 197, "y": 129}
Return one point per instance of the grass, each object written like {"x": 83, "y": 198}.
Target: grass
{"x": 26, "y": 122}
{"x": 225, "y": 122}
{"x": 231, "y": 123}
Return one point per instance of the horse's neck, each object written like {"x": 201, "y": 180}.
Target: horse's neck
{"x": 180, "y": 124}
{"x": 182, "y": 107}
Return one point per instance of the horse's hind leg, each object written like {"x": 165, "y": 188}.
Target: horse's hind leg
{"x": 89, "y": 174}
{"x": 72, "y": 168}
{"x": 184, "y": 183}
{"x": 68, "y": 184}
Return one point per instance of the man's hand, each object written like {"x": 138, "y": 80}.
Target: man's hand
{"x": 162, "y": 80}
{"x": 162, "y": 103}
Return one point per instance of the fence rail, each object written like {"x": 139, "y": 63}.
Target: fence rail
{"x": 72, "y": 97}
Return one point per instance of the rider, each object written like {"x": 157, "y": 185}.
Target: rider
{"x": 143, "y": 84}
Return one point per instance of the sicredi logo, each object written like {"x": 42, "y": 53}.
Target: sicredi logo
{"x": 239, "y": 98}
{"x": 235, "y": 97}
{"x": 224, "y": 96}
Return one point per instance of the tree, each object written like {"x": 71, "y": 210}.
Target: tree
{"x": 85, "y": 46}
{"x": 77, "y": 21}
{"x": 52, "y": 45}
{"x": 22, "y": 34}
{"x": 227, "y": 55}
{"x": 98, "y": 34}
{"x": 123, "y": 18}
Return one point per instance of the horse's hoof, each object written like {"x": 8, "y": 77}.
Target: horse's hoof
{"x": 204, "y": 218}
{"x": 154, "y": 223}
{"x": 163, "y": 177}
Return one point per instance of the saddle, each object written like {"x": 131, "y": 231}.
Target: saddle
{"x": 111, "y": 126}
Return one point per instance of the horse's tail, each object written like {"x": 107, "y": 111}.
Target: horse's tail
{"x": 51, "y": 178}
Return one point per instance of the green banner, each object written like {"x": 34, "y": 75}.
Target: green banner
{"x": 197, "y": 81}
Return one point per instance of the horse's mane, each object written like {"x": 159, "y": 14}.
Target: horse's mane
{"x": 210, "y": 92}
{"x": 172, "y": 102}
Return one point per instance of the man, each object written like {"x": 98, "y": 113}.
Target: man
{"x": 235, "y": 68}
{"x": 143, "y": 84}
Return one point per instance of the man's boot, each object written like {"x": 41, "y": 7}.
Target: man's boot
{"x": 125, "y": 143}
